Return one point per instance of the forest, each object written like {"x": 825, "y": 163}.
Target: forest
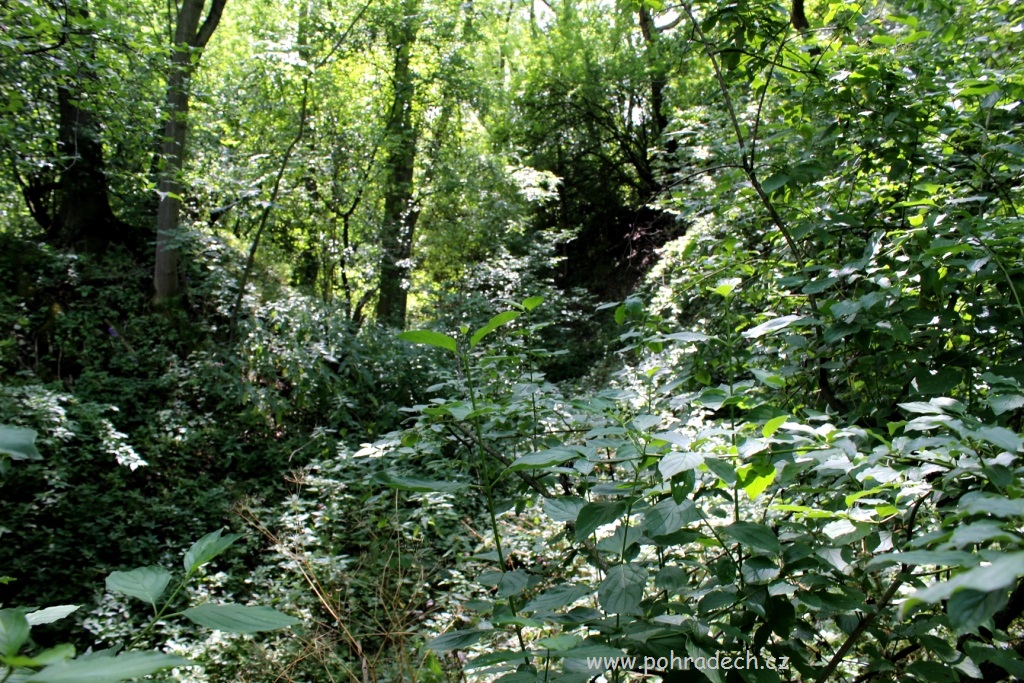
{"x": 443, "y": 341}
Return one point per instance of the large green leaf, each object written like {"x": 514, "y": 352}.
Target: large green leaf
{"x": 102, "y": 669}
{"x": 999, "y": 575}
{"x": 206, "y": 548}
{"x": 676, "y": 462}
{"x": 417, "y": 485}
{"x": 773, "y": 325}
{"x": 494, "y": 323}
{"x": 40, "y": 659}
{"x": 13, "y": 631}
{"x": 668, "y": 516}
{"x": 144, "y": 583}
{"x": 532, "y": 302}
{"x": 594, "y": 515}
{"x": 1000, "y": 436}
{"x": 756, "y": 536}
{"x": 430, "y": 337}
{"x": 457, "y": 640}
{"x": 977, "y": 502}
{"x": 968, "y": 609}
{"x": 239, "y": 618}
{"x": 545, "y": 458}
{"x": 48, "y": 615}
{"x": 556, "y": 597}
{"x": 564, "y": 508}
{"x": 622, "y": 590}
{"x": 759, "y": 569}
{"x": 18, "y": 443}
{"x": 937, "y": 558}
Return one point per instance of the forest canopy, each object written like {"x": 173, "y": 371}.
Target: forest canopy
{"x": 508, "y": 340}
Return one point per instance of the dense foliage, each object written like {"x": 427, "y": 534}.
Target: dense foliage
{"x": 790, "y": 437}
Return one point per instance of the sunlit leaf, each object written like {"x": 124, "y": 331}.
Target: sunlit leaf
{"x": 430, "y": 337}
{"x": 771, "y": 326}
{"x": 495, "y": 322}
{"x": 48, "y": 615}
{"x": 103, "y": 669}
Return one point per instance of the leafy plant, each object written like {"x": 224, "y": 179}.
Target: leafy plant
{"x": 60, "y": 664}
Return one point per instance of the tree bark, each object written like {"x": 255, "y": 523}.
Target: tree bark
{"x": 400, "y": 212}
{"x": 189, "y": 37}
{"x": 83, "y": 217}
{"x": 73, "y": 207}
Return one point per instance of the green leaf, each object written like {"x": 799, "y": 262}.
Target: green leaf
{"x": 773, "y": 325}
{"x": 754, "y": 484}
{"x": 1000, "y": 436}
{"x": 819, "y": 286}
{"x": 594, "y": 515}
{"x": 968, "y": 609}
{"x": 417, "y": 485}
{"x": 563, "y": 508}
{"x": 592, "y": 649}
{"x": 144, "y": 583}
{"x": 545, "y": 458}
{"x": 976, "y": 502}
{"x": 532, "y": 302}
{"x": 1004, "y": 403}
{"x": 622, "y": 590}
{"x": 717, "y": 599}
{"x": 14, "y": 629}
{"x": 48, "y": 615}
{"x": 430, "y": 337}
{"x": 933, "y": 558}
{"x": 556, "y": 597}
{"x": 457, "y": 640}
{"x": 688, "y": 337}
{"x": 18, "y": 443}
{"x": 676, "y": 462}
{"x": 932, "y": 672}
{"x": 512, "y": 583}
{"x": 759, "y": 569}
{"x": 102, "y": 669}
{"x": 722, "y": 469}
{"x": 756, "y": 536}
{"x": 775, "y": 182}
{"x": 668, "y": 516}
{"x": 206, "y": 548}
{"x": 47, "y": 656}
{"x": 1001, "y": 574}
{"x": 494, "y": 323}
{"x": 772, "y": 425}
{"x": 239, "y": 618}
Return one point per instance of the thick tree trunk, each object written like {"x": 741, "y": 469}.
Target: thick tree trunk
{"x": 188, "y": 37}
{"x": 83, "y": 217}
{"x": 400, "y": 212}
{"x": 74, "y": 208}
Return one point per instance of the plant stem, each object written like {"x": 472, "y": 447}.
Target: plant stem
{"x": 488, "y": 489}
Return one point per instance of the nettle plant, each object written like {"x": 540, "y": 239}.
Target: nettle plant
{"x": 673, "y": 516}
{"x": 22, "y": 660}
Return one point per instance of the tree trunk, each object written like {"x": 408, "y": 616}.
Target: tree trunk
{"x": 83, "y": 218}
{"x": 400, "y": 212}
{"x": 74, "y": 208}
{"x": 188, "y": 37}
